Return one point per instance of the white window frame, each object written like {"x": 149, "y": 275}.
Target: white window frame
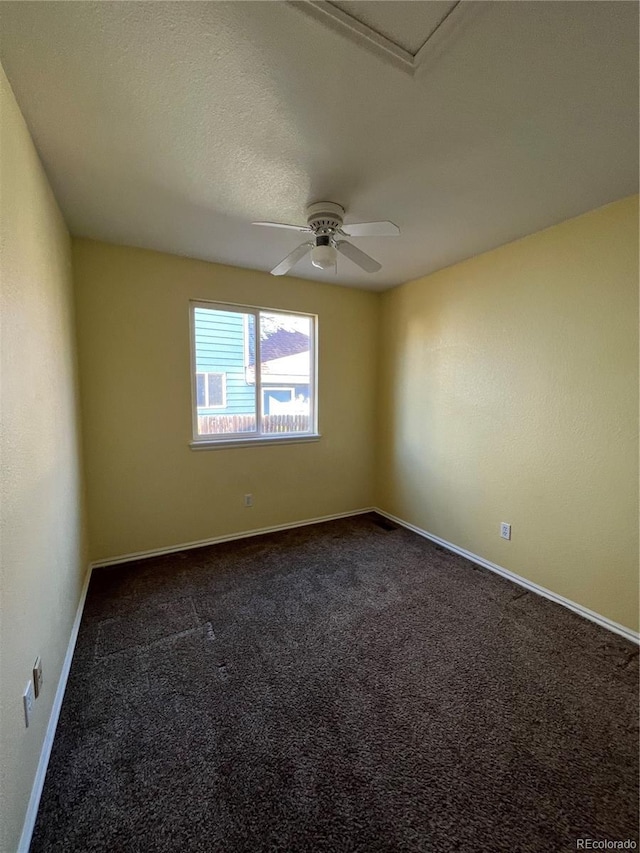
{"x": 202, "y": 442}
{"x": 207, "y": 373}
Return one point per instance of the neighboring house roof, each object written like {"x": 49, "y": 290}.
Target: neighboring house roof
{"x": 291, "y": 369}
{"x": 280, "y": 344}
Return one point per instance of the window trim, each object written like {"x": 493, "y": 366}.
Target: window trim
{"x": 202, "y": 442}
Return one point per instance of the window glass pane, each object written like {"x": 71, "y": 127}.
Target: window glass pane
{"x": 285, "y": 372}
{"x": 222, "y": 344}
{"x": 226, "y": 344}
{"x": 200, "y": 389}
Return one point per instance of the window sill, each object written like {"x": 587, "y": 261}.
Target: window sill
{"x": 247, "y": 442}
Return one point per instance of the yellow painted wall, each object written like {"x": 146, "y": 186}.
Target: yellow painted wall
{"x": 509, "y": 392}
{"x": 146, "y": 487}
{"x": 41, "y": 519}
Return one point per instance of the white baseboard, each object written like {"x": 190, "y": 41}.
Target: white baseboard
{"x": 45, "y": 752}
{"x": 214, "y": 540}
{"x": 609, "y": 624}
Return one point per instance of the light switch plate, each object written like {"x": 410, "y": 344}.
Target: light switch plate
{"x": 27, "y": 700}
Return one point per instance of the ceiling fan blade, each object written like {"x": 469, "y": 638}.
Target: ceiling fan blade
{"x": 357, "y": 256}
{"x": 282, "y": 225}
{"x": 371, "y": 229}
{"x": 292, "y": 259}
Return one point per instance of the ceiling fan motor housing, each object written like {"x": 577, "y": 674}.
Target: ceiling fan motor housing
{"x": 325, "y": 217}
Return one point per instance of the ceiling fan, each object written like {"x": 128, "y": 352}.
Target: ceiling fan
{"x": 325, "y": 223}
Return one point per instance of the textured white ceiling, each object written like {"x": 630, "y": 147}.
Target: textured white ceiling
{"x": 173, "y": 125}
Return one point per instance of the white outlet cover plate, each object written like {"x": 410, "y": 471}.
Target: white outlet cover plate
{"x": 505, "y": 530}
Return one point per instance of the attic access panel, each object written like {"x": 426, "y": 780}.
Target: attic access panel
{"x": 404, "y": 22}
{"x": 402, "y": 32}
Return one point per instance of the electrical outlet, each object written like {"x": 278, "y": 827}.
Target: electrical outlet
{"x": 37, "y": 676}
{"x": 248, "y": 500}
{"x": 505, "y": 530}
{"x": 27, "y": 700}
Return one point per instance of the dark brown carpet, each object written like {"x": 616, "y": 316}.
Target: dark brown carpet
{"x": 341, "y": 687}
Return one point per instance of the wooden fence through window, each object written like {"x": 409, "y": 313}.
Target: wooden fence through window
{"x": 229, "y": 424}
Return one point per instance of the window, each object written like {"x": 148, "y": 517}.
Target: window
{"x": 211, "y": 390}
{"x": 253, "y": 374}
{"x": 277, "y": 400}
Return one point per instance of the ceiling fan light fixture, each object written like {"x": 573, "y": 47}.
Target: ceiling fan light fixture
{"x": 323, "y": 256}
{"x": 324, "y": 222}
